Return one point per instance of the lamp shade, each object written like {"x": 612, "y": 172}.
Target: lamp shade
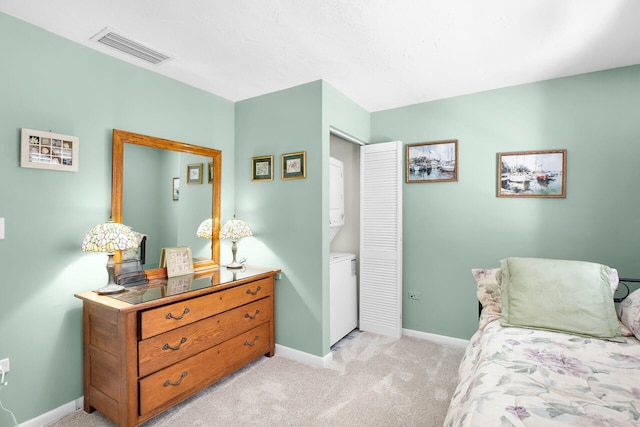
{"x": 205, "y": 229}
{"x": 109, "y": 237}
{"x": 235, "y": 229}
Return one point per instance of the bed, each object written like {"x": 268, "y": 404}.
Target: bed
{"x": 551, "y": 349}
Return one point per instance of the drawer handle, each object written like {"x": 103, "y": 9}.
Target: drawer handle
{"x": 253, "y": 293}
{"x": 171, "y": 316}
{"x": 251, "y": 344}
{"x": 168, "y": 347}
{"x": 248, "y": 316}
{"x": 167, "y": 383}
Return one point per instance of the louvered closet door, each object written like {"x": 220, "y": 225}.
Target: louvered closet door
{"x": 381, "y": 238}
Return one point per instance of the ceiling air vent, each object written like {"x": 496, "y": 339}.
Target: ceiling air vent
{"x": 117, "y": 41}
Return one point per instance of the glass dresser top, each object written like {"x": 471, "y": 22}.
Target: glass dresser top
{"x": 160, "y": 288}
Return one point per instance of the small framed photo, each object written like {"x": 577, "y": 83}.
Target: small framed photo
{"x": 532, "y": 174}
{"x": 262, "y": 168}
{"x": 178, "y": 261}
{"x": 194, "y": 173}
{"x": 46, "y": 150}
{"x": 176, "y": 189}
{"x": 432, "y": 161}
{"x": 210, "y": 169}
{"x": 294, "y": 165}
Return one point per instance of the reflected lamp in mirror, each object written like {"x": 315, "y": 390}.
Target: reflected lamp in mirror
{"x": 109, "y": 237}
{"x": 234, "y": 230}
{"x": 205, "y": 229}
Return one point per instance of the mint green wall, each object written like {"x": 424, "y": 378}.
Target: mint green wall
{"x": 49, "y": 83}
{"x": 450, "y": 228}
{"x": 342, "y": 113}
{"x": 285, "y": 215}
{"x": 290, "y": 218}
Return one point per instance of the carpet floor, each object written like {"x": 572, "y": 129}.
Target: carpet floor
{"x": 372, "y": 381}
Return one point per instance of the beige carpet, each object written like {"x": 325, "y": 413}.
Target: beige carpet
{"x": 372, "y": 381}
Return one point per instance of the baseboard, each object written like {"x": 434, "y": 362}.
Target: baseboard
{"x": 302, "y": 357}
{"x": 55, "y": 414}
{"x": 442, "y": 339}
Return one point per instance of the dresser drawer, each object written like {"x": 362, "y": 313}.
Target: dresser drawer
{"x": 162, "y": 319}
{"x": 163, "y": 350}
{"x": 176, "y": 382}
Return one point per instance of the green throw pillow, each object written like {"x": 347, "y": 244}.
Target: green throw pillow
{"x": 559, "y": 295}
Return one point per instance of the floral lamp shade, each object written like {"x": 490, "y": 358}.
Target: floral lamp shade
{"x": 109, "y": 237}
{"x": 205, "y": 229}
{"x": 234, "y": 230}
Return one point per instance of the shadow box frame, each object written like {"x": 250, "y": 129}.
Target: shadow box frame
{"x": 48, "y": 150}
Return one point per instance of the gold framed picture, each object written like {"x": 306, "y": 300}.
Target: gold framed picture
{"x": 432, "y": 161}
{"x": 294, "y": 165}
{"x": 262, "y": 168}
{"x": 532, "y": 174}
{"x": 194, "y": 173}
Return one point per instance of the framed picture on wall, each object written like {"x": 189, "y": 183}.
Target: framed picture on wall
{"x": 176, "y": 189}
{"x": 532, "y": 174}
{"x": 47, "y": 150}
{"x": 294, "y": 165}
{"x": 194, "y": 173}
{"x": 262, "y": 168}
{"x": 432, "y": 161}
{"x": 210, "y": 169}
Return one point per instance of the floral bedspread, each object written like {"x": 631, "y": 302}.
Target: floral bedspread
{"x": 525, "y": 377}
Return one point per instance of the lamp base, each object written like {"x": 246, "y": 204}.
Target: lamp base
{"x": 110, "y": 289}
{"x": 235, "y": 265}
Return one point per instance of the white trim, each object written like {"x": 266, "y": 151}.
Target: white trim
{"x": 55, "y": 414}
{"x": 306, "y": 358}
{"x": 441, "y": 339}
{"x": 350, "y": 138}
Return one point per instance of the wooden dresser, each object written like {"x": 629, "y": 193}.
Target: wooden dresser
{"x": 155, "y": 345}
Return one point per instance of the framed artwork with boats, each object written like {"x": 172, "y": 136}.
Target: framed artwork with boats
{"x": 432, "y": 161}
{"x": 532, "y": 174}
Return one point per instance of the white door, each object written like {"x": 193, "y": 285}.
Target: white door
{"x": 381, "y": 238}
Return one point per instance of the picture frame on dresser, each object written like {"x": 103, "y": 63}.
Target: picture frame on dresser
{"x": 178, "y": 261}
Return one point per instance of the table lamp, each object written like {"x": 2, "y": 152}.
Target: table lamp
{"x": 109, "y": 237}
{"x": 205, "y": 229}
{"x": 235, "y": 229}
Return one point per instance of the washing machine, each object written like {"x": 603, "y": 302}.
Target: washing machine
{"x": 343, "y": 295}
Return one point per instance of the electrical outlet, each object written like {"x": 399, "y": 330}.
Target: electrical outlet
{"x": 414, "y": 295}
{"x": 4, "y": 363}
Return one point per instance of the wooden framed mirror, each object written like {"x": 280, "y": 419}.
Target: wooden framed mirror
{"x": 211, "y": 159}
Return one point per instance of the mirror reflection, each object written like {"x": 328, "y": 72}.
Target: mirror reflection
{"x": 147, "y": 197}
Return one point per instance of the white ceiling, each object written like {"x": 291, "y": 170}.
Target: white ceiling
{"x": 380, "y": 53}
